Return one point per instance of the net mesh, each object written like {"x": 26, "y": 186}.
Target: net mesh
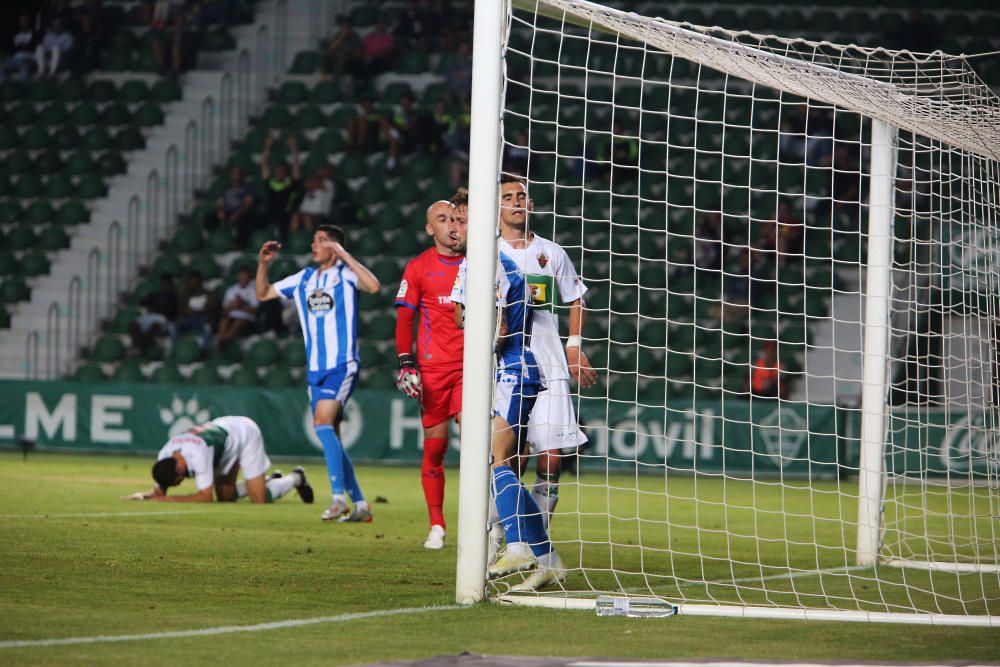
{"x": 711, "y": 189}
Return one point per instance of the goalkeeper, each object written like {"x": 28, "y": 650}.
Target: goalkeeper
{"x": 552, "y": 280}
{"x": 213, "y": 454}
{"x": 434, "y": 375}
{"x": 518, "y": 381}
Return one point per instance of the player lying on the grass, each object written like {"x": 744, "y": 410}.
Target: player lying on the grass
{"x": 213, "y": 454}
{"x": 326, "y": 297}
{"x": 552, "y": 280}
{"x": 434, "y": 376}
{"x": 518, "y": 382}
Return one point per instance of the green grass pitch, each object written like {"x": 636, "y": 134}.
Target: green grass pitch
{"x": 77, "y": 562}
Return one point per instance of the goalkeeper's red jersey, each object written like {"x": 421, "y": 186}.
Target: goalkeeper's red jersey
{"x": 425, "y": 291}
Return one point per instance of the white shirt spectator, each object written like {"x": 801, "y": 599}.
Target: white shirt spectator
{"x": 246, "y": 294}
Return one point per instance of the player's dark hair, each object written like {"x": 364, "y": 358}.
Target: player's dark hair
{"x": 334, "y": 232}
{"x": 512, "y": 178}
{"x": 460, "y": 198}
{"x": 165, "y": 473}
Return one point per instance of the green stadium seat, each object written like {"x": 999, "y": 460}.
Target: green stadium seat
{"x": 71, "y": 90}
{"x": 89, "y": 373}
{"x": 308, "y": 117}
{"x": 369, "y": 245}
{"x": 91, "y": 186}
{"x": 186, "y": 350}
{"x": 276, "y": 118}
{"x": 53, "y": 238}
{"x": 331, "y": 141}
{"x": 129, "y": 371}
{"x": 53, "y": 114}
{"x": 35, "y": 263}
{"x": 298, "y": 243}
{"x": 292, "y": 92}
{"x": 97, "y": 138}
{"x": 39, "y": 213}
{"x": 102, "y": 90}
{"x": 10, "y": 211}
{"x": 206, "y": 265}
{"x": 293, "y": 353}
{"x": 80, "y": 162}
{"x": 119, "y": 60}
{"x": 112, "y": 163}
{"x": 326, "y": 92}
{"x": 18, "y": 162}
{"x": 188, "y": 239}
{"x": 245, "y": 376}
{"x": 165, "y": 90}
{"x": 168, "y": 373}
{"x": 12, "y": 91}
{"x": 129, "y": 139}
{"x": 22, "y": 114}
{"x": 49, "y": 161}
{"x": 124, "y": 316}
{"x": 116, "y": 113}
{"x": 59, "y": 186}
{"x": 263, "y": 352}
{"x": 21, "y": 237}
{"x": 218, "y": 39}
{"x": 278, "y": 377}
{"x": 108, "y": 348}
{"x": 352, "y": 167}
{"x": 14, "y": 289}
{"x": 228, "y": 352}
{"x": 8, "y": 263}
{"x": 66, "y": 138}
{"x": 4, "y": 318}
{"x": 305, "y": 62}
{"x": 148, "y": 115}
{"x": 9, "y": 137}
{"x": 220, "y": 239}
{"x": 206, "y": 374}
{"x": 6, "y": 186}
{"x": 134, "y": 91}
{"x": 382, "y": 326}
{"x": 413, "y": 61}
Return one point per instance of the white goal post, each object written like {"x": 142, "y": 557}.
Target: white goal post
{"x": 793, "y": 255}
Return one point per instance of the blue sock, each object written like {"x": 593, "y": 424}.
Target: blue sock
{"x": 533, "y": 524}
{"x": 507, "y": 491}
{"x": 351, "y": 481}
{"x": 334, "y": 453}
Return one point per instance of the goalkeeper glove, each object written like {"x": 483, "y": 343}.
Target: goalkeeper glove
{"x": 408, "y": 379}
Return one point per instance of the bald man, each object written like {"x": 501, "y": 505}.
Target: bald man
{"x": 432, "y": 373}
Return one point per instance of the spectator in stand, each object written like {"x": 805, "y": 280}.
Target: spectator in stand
{"x": 412, "y": 27}
{"x": 792, "y": 138}
{"x": 458, "y": 71}
{"x": 457, "y": 136}
{"x": 379, "y": 49}
{"x": 169, "y": 25}
{"x": 159, "y": 316}
{"x": 283, "y": 186}
{"x": 368, "y": 130}
{"x": 235, "y": 208}
{"x": 90, "y": 43}
{"x": 239, "y": 308}
{"x": 766, "y": 373}
{"x": 316, "y": 201}
{"x": 345, "y": 54}
{"x": 23, "y": 53}
{"x": 54, "y": 48}
{"x": 708, "y": 245}
{"x": 791, "y": 237}
{"x": 197, "y": 310}
{"x": 618, "y": 156}
{"x": 819, "y": 142}
{"x": 736, "y": 288}
{"x": 408, "y": 130}
{"x": 515, "y": 154}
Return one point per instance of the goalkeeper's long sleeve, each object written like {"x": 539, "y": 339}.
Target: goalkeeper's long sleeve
{"x": 405, "y": 317}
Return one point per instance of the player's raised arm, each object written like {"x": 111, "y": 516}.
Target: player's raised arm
{"x": 265, "y": 290}
{"x": 367, "y": 282}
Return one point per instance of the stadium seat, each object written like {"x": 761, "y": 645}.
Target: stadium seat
{"x": 293, "y": 353}
{"x": 218, "y": 39}
{"x": 14, "y": 289}
{"x": 59, "y": 186}
{"x": 9, "y": 264}
{"x": 206, "y": 374}
{"x": 97, "y": 138}
{"x": 308, "y": 117}
{"x": 292, "y": 92}
{"x": 186, "y": 350}
{"x": 278, "y": 377}
{"x": 34, "y": 263}
{"x": 306, "y": 62}
{"x": 66, "y": 138}
{"x": 129, "y": 371}
{"x": 264, "y": 352}
{"x": 39, "y": 212}
{"x": 168, "y": 373}
{"x": 72, "y": 213}
{"x": 9, "y": 138}
{"x": 245, "y": 376}
{"x": 53, "y": 238}
{"x": 49, "y": 161}
{"x": 21, "y": 237}
{"x": 298, "y": 243}
{"x": 326, "y": 92}
{"x": 108, "y": 348}
{"x": 148, "y": 115}
{"x": 206, "y": 265}
{"x": 53, "y": 114}
{"x": 167, "y": 263}
{"x": 129, "y": 139}
{"x": 228, "y": 352}
{"x": 382, "y": 326}
{"x": 91, "y": 186}
{"x": 4, "y": 318}
{"x": 10, "y": 211}
{"x": 89, "y": 373}
{"x": 80, "y": 162}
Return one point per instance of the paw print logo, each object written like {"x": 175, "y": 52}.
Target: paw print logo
{"x": 182, "y": 415}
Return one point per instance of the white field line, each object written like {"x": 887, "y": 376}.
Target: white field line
{"x": 225, "y": 629}
{"x": 86, "y": 515}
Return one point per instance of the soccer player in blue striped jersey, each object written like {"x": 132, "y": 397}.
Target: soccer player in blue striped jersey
{"x": 518, "y": 381}
{"x": 326, "y": 297}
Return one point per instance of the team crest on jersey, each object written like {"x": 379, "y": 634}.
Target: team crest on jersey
{"x": 403, "y": 286}
{"x": 320, "y": 303}
{"x": 542, "y": 260}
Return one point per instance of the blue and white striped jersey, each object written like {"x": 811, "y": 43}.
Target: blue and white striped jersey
{"x": 515, "y": 355}
{"x": 327, "y": 303}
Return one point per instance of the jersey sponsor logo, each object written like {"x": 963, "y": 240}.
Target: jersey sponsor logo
{"x": 403, "y": 287}
{"x": 542, "y": 290}
{"x": 319, "y": 303}
{"x": 444, "y": 300}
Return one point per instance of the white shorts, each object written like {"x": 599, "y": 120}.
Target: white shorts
{"x": 252, "y": 458}
{"x": 553, "y": 424}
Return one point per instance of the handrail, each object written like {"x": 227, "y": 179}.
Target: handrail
{"x": 192, "y": 173}
{"x": 132, "y": 230}
{"x": 243, "y": 90}
{"x": 152, "y": 213}
{"x": 52, "y": 339}
{"x": 280, "y": 41}
{"x": 226, "y": 102}
{"x": 262, "y": 73}
{"x": 93, "y": 285}
{"x": 31, "y": 355}
{"x": 114, "y": 280}
{"x": 171, "y": 194}
{"x": 207, "y": 132}
{"x": 72, "y": 312}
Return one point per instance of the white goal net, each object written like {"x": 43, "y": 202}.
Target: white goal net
{"x": 791, "y": 250}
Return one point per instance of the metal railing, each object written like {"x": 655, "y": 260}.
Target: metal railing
{"x": 207, "y": 140}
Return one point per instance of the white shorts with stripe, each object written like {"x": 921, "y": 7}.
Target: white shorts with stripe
{"x": 552, "y": 424}
{"x": 249, "y": 441}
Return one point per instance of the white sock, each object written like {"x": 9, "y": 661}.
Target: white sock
{"x": 550, "y": 559}
{"x": 281, "y": 486}
{"x": 241, "y": 489}
{"x": 518, "y": 548}
{"x": 546, "y": 494}
{"x": 339, "y": 497}
{"x": 361, "y": 504}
